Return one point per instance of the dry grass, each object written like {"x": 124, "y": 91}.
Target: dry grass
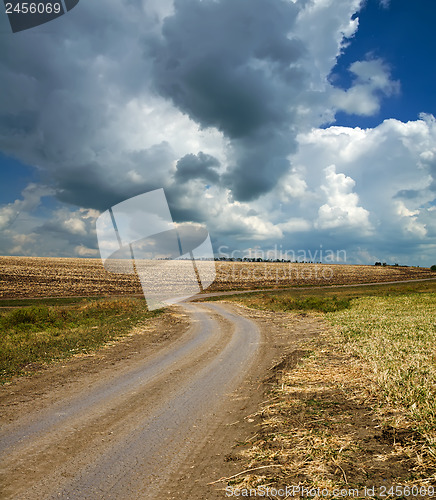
{"x": 32, "y": 336}
{"x": 396, "y": 336}
{"x": 359, "y": 410}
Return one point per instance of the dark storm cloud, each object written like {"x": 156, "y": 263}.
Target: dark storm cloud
{"x": 201, "y": 166}
{"x": 233, "y": 65}
{"x": 85, "y": 186}
{"x": 63, "y": 85}
{"x": 407, "y": 194}
{"x": 98, "y": 185}
{"x": 229, "y": 64}
{"x": 260, "y": 161}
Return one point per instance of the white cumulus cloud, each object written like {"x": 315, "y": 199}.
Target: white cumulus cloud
{"x": 342, "y": 208}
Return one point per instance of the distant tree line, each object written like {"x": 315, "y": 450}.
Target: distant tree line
{"x": 384, "y": 264}
{"x": 259, "y": 259}
{"x": 432, "y": 268}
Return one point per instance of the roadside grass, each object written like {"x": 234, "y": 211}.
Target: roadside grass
{"x": 396, "y": 336}
{"x": 286, "y": 303}
{"x": 359, "y": 409}
{"x": 35, "y": 335}
{"x": 44, "y": 301}
{"x": 339, "y": 291}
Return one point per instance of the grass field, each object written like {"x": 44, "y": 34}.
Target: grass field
{"x": 396, "y": 337}
{"x": 360, "y": 408}
{"x": 43, "y": 332}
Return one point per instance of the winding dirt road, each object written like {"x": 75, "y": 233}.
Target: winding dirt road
{"x": 155, "y": 425}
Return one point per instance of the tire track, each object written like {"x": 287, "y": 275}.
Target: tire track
{"x": 127, "y": 436}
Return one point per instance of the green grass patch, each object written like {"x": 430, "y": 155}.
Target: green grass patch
{"x": 39, "y": 334}
{"x": 326, "y": 300}
{"x": 396, "y": 336}
{"x": 43, "y": 301}
{"x": 274, "y": 302}
{"x": 338, "y": 292}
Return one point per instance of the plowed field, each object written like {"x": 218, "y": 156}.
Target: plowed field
{"x": 60, "y": 277}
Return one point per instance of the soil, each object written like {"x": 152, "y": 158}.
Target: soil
{"x": 49, "y": 461}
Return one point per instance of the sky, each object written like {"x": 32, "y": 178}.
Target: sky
{"x": 295, "y": 125}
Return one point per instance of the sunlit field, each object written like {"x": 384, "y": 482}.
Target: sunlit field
{"x": 359, "y": 407}
{"x": 396, "y": 336}
{"x": 58, "y": 277}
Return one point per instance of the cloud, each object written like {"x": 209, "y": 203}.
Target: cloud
{"x": 341, "y": 209}
{"x": 31, "y": 199}
{"x": 293, "y": 185}
{"x": 29, "y": 227}
{"x": 371, "y": 192}
{"x": 379, "y": 197}
{"x": 385, "y": 3}
{"x": 325, "y": 28}
{"x": 232, "y": 66}
{"x": 201, "y": 166}
{"x": 82, "y": 251}
{"x": 371, "y": 82}
{"x": 70, "y": 224}
{"x": 107, "y": 114}
{"x": 238, "y": 221}
{"x": 77, "y": 105}
{"x": 218, "y": 61}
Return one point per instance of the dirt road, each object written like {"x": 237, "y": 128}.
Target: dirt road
{"x": 143, "y": 419}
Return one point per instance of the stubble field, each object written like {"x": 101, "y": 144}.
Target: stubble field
{"x": 22, "y": 277}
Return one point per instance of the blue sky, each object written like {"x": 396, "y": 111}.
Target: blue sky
{"x": 402, "y": 34}
{"x": 274, "y": 122}
{"x": 15, "y": 177}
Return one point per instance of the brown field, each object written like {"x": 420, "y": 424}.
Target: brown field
{"x": 63, "y": 277}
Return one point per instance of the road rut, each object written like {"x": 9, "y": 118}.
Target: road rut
{"x": 125, "y": 436}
